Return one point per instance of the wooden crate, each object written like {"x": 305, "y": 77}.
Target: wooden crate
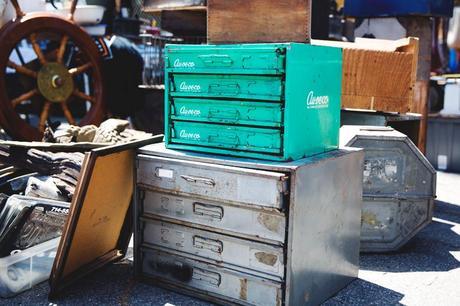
{"x": 378, "y": 74}
{"x": 235, "y": 21}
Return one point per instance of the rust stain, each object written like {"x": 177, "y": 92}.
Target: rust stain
{"x": 243, "y": 289}
{"x": 272, "y": 223}
{"x": 266, "y": 258}
{"x": 369, "y": 218}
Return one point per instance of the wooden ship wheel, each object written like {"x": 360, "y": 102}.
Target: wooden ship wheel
{"x": 62, "y": 78}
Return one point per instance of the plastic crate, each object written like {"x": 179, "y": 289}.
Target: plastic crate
{"x": 22, "y": 270}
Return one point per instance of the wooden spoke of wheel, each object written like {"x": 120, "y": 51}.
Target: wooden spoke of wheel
{"x": 67, "y": 113}
{"x": 22, "y": 69}
{"x": 37, "y": 50}
{"x": 83, "y": 96}
{"x": 80, "y": 69}
{"x": 73, "y": 7}
{"x": 24, "y": 97}
{"x": 17, "y": 8}
{"x": 61, "y": 50}
{"x": 44, "y": 115}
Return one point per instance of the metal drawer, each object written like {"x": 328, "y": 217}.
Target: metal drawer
{"x": 226, "y": 136}
{"x": 215, "y": 59}
{"x": 238, "y": 254}
{"x": 255, "y": 87}
{"x": 214, "y": 182}
{"x": 229, "y": 112}
{"x": 241, "y": 220}
{"x": 225, "y": 284}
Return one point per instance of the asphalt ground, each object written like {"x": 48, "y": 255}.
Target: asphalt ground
{"x": 424, "y": 272}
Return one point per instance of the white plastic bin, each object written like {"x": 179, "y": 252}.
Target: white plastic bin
{"x": 24, "y": 269}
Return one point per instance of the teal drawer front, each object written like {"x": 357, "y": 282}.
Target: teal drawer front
{"x": 227, "y": 112}
{"x": 214, "y": 59}
{"x": 228, "y": 137}
{"x": 226, "y": 86}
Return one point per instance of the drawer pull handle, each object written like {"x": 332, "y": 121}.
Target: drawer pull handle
{"x": 215, "y": 246}
{"x": 225, "y": 89}
{"x": 216, "y": 60}
{"x": 207, "y": 277}
{"x": 215, "y": 212}
{"x": 229, "y": 114}
{"x": 194, "y": 179}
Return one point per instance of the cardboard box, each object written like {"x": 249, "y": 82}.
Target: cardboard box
{"x": 258, "y": 21}
{"x": 378, "y": 74}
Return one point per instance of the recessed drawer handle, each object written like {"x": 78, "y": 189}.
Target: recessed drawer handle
{"x": 215, "y": 246}
{"x": 207, "y": 277}
{"x": 215, "y": 212}
{"x": 195, "y": 179}
{"x": 225, "y": 89}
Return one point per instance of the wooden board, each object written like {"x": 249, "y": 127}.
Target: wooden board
{"x": 378, "y": 75}
{"x": 258, "y": 21}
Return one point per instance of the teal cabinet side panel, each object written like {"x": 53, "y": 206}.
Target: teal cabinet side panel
{"x": 313, "y": 99}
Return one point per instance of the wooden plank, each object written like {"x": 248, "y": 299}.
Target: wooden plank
{"x": 180, "y": 8}
{"x": 258, "y": 21}
{"x": 184, "y": 23}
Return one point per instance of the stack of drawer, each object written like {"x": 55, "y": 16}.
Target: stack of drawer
{"x": 223, "y": 229}
{"x": 268, "y": 101}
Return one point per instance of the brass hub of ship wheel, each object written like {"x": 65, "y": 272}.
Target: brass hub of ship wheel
{"x": 54, "y": 82}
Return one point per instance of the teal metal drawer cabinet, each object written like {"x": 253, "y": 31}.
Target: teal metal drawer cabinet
{"x": 268, "y": 101}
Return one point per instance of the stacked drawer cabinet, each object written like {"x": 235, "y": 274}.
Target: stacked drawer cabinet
{"x": 248, "y": 234}
{"x": 267, "y": 101}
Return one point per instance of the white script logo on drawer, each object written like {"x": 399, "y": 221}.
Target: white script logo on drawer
{"x": 188, "y": 135}
{"x": 179, "y": 64}
{"x": 317, "y": 101}
{"x": 187, "y": 87}
{"x": 189, "y": 112}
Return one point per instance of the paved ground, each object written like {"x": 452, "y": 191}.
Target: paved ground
{"x": 424, "y": 272}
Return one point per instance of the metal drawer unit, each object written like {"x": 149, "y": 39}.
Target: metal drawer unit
{"x": 399, "y": 187}
{"x": 236, "y": 231}
{"x": 252, "y": 100}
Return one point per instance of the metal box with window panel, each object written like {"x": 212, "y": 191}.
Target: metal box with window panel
{"x": 267, "y": 101}
{"x": 399, "y": 187}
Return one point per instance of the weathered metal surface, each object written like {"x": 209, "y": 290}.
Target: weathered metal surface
{"x": 238, "y": 254}
{"x": 388, "y": 224}
{"x": 301, "y": 79}
{"x": 224, "y": 284}
{"x": 399, "y": 187}
{"x": 244, "y": 220}
{"x": 229, "y": 184}
{"x": 320, "y": 218}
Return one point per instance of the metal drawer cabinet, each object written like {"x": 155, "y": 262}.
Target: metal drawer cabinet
{"x": 247, "y": 232}
{"x": 213, "y": 182}
{"x": 245, "y": 221}
{"x": 291, "y": 87}
{"x": 226, "y": 251}
{"x": 224, "y": 286}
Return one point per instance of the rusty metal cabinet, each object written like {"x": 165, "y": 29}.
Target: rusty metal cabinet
{"x": 247, "y": 232}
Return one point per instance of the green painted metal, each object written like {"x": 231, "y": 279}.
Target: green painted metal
{"x": 227, "y": 136}
{"x": 238, "y": 112}
{"x": 258, "y": 87}
{"x": 268, "y": 101}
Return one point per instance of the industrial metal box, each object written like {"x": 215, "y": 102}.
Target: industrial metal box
{"x": 399, "y": 187}
{"x": 246, "y": 232}
{"x": 443, "y": 142}
{"x": 266, "y": 101}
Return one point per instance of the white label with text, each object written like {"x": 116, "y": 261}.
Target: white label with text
{"x": 314, "y": 101}
{"x": 188, "y": 135}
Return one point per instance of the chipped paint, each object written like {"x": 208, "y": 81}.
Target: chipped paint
{"x": 272, "y": 223}
{"x": 266, "y": 258}
{"x": 243, "y": 289}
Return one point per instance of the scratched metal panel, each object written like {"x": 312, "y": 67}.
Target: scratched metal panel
{"x": 238, "y": 254}
{"x": 393, "y": 166}
{"x": 215, "y": 182}
{"x": 245, "y": 220}
{"x": 389, "y": 223}
{"x": 224, "y": 284}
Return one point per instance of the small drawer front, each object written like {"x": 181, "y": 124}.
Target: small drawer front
{"x": 267, "y": 60}
{"x": 236, "y": 253}
{"x": 253, "y": 223}
{"x": 227, "y": 137}
{"x": 227, "y": 112}
{"x": 214, "y": 182}
{"x": 225, "y": 284}
{"x": 226, "y": 86}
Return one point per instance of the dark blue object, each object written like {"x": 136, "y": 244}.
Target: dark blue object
{"x": 391, "y": 8}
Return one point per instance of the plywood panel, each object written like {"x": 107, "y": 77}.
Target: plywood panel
{"x": 258, "y": 21}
